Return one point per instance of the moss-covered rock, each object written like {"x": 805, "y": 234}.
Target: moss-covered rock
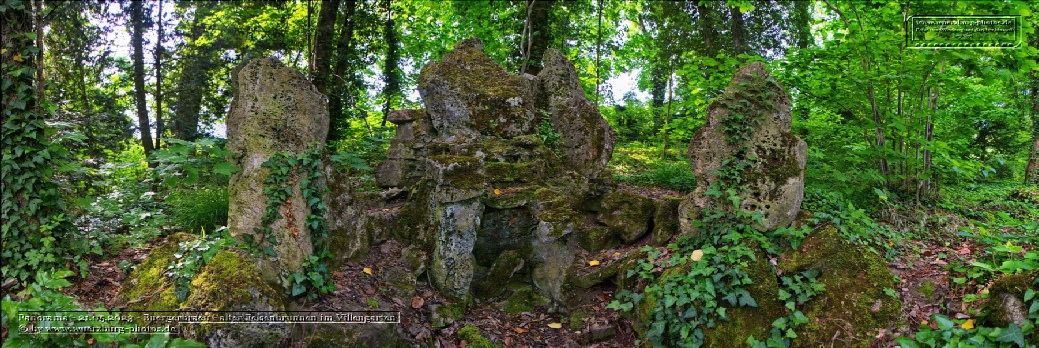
{"x": 507, "y": 264}
{"x": 597, "y": 238}
{"x": 474, "y": 338}
{"x": 442, "y": 315}
{"x": 1006, "y": 300}
{"x": 586, "y": 139}
{"x": 586, "y": 277}
{"x": 147, "y": 286}
{"x": 505, "y": 172}
{"x": 665, "y": 220}
{"x": 504, "y": 230}
{"x": 854, "y": 302}
{"x": 775, "y": 181}
{"x": 524, "y": 299}
{"x": 509, "y": 198}
{"x": 627, "y": 214}
{"x": 467, "y": 95}
{"x": 230, "y": 281}
{"x": 451, "y": 268}
{"x": 275, "y": 109}
{"x": 743, "y": 321}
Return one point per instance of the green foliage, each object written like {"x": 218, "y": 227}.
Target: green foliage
{"x": 796, "y": 290}
{"x": 190, "y": 163}
{"x": 951, "y": 333}
{"x": 199, "y": 209}
{"x": 43, "y": 297}
{"x": 191, "y": 256}
{"x": 636, "y": 164}
{"x": 547, "y": 134}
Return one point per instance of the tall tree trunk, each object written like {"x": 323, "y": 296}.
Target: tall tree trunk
{"x": 390, "y": 72}
{"x": 539, "y": 34}
{"x": 194, "y": 80}
{"x": 598, "y": 50}
{"x": 802, "y": 23}
{"x": 137, "y": 41}
{"x": 160, "y": 125}
{"x": 342, "y": 82}
{"x": 738, "y": 28}
{"x": 707, "y": 28}
{"x": 323, "y": 42}
{"x": 1032, "y": 169}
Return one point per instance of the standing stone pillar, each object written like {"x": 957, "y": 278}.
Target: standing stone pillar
{"x": 275, "y": 109}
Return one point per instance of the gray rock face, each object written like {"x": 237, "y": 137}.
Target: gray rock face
{"x": 776, "y": 180}
{"x": 467, "y": 95}
{"x": 275, "y": 108}
{"x": 587, "y": 140}
{"x": 481, "y": 180}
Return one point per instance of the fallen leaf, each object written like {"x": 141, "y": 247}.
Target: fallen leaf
{"x": 417, "y": 302}
{"x": 17, "y": 57}
{"x": 367, "y": 270}
{"x": 593, "y": 263}
{"x": 520, "y": 330}
{"x": 697, "y": 255}
{"x": 967, "y": 325}
{"x": 497, "y": 191}
{"x": 555, "y": 325}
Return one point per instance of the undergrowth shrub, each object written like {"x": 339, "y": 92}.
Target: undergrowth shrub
{"x": 196, "y": 209}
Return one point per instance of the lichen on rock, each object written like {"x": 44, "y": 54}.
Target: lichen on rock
{"x": 275, "y": 109}
{"x": 775, "y": 181}
{"x": 230, "y": 281}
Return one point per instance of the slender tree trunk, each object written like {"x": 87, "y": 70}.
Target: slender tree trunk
{"x": 598, "y": 51}
{"x": 539, "y": 34}
{"x": 802, "y": 23}
{"x": 738, "y": 31}
{"x": 160, "y": 125}
{"x": 137, "y": 41}
{"x": 324, "y": 39}
{"x": 1032, "y": 169}
{"x": 194, "y": 80}
{"x": 391, "y": 73}
{"x": 707, "y": 28}
{"x": 342, "y": 82}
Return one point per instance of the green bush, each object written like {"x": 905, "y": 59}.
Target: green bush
{"x": 195, "y": 209}
{"x": 672, "y": 175}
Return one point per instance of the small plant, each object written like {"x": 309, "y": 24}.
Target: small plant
{"x": 547, "y": 134}
{"x": 190, "y": 257}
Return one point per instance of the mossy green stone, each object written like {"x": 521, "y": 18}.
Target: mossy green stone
{"x": 855, "y": 280}
{"x": 474, "y": 338}
{"x": 597, "y": 238}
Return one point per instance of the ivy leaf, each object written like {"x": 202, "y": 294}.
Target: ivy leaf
{"x": 1012, "y": 334}
{"x": 298, "y": 288}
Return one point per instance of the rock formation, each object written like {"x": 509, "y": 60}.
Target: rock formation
{"x": 484, "y": 173}
{"x": 275, "y": 109}
{"x": 776, "y": 179}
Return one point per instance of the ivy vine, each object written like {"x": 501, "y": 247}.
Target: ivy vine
{"x": 285, "y": 170}
{"x": 34, "y": 227}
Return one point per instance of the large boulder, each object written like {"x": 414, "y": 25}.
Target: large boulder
{"x": 751, "y": 118}
{"x": 230, "y": 282}
{"x": 275, "y": 109}
{"x": 587, "y": 140}
{"x": 467, "y": 95}
{"x": 850, "y": 312}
